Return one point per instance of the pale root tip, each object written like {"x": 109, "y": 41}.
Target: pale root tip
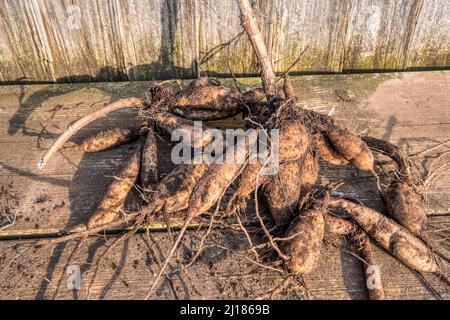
{"x": 40, "y": 164}
{"x": 337, "y": 194}
{"x": 78, "y": 228}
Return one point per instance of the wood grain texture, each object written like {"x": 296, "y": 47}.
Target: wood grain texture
{"x": 128, "y": 271}
{"x": 112, "y": 40}
{"x": 430, "y": 44}
{"x": 379, "y": 33}
{"x": 65, "y": 194}
{"x": 389, "y": 106}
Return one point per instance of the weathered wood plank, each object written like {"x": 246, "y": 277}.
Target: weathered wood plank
{"x": 379, "y": 33}
{"x": 78, "y": 180}
{"x": 81, "y": 40}
{"x": 320, "y": 25}
{"x": 22, "y": 51}
{"x": 64, "y": 195}
{"x": 129, "y": 270}
{"x": 287, "y": 25}
{"x": 430, "y": 43}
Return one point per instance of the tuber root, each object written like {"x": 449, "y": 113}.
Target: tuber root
{"x": 149, "y": 162}
{"x": 326, "y": 152}
{"x": 391, "y": 236}
{"x": 351, "y": 147}
{"x": 112, "y": 202}
{"x": 282, "y": 192}
{"x": 109, "y": 139}
{"x": 304, "y": 248}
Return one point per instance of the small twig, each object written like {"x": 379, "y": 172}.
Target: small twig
{"x": 286, "y": 72}
{"x": 263, "y": 226}
{"x": 429, "y": 286}
{"x": 158, "y": 262}
{"x": 429, "y": 149}
{"x": 277, "y": 290}
{"x": 236, "y": 83}
{"x": 10, "y": 221}
{"x": 14, "y": 259}
{"x": 211, "y": 53}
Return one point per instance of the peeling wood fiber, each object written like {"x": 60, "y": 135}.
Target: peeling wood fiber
{"x": 118, "y": 40}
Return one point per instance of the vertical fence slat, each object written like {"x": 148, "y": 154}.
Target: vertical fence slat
{"x": 105, "y": 40}
{"x": 430, "y": 45}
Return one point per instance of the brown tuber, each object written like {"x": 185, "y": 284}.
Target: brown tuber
{"x": 112, "y": 202}
{"x": 338, "y": 226}
{"x": 173, "y": 192}
{"x": 391, "y": 236}
{"x": 109, "y": 139}
{"x": 371, "y": 269}
{"x": 307, "y": 230}
{"x": 351, "y": 147}
{"x": 206, "y": 102}
{"x": 282, "y": 192}
{"x": 404, "y": 204}
{"x": 169, "y": 123}
{"x": 304, "y": 137}
{"x": 249, "y": 180}
{"x": 326, "y": 152}
{"x": 293, "y": 141}
{"x": 406, "y": 207}
{"x": 149, "y": 162}
{"x": 309, "y": 172}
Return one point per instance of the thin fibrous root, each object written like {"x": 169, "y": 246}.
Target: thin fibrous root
{"x": 115, "y": 242}
{"x": 277, "y": 289}
{"x": 75, "y": 127}
{"x": 209, "y": 191}
{"x": 89, "y": 232}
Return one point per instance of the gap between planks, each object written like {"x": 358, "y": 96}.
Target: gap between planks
{"x": 47, "y": 233}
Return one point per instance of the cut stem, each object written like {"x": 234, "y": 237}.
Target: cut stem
{"x": 251, "y": 27}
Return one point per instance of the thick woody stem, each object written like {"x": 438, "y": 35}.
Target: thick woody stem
{"x": 251, "y": 27}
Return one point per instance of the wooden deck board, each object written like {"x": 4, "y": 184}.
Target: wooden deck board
{"x": 128, "y": 271}
{"x": 410, "y": 109}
